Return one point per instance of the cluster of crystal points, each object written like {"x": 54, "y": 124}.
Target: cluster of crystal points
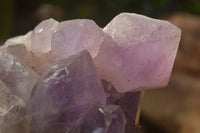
{"x": 74, "y": 77}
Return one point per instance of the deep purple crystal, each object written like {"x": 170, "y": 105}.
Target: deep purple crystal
{"x": 64, "y": 93}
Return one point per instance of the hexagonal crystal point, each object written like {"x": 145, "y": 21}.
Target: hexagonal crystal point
{"x": 138, "y": 52}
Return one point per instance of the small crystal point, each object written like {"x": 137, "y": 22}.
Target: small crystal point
{"x": 40, "y": 38}
{"x": 74, "y": 36}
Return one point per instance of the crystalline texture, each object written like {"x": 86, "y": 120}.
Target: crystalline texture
{"x": 17, "y": 76}
{"x": 128, "y": 102}
{"x": 18, "y": 46}
{"x": 11, "y": 113}
{"x": 21, "y": 48}
{"x": 41, "y": 36}
{"x": 16, "y": 121}
{"x": 102, "y": 119}
{"x": 7, "y": 100}
{"x": 64, "y": 93}
{"x": 75, "y": 35}
{"x": 139, "y": 54}
{"x": 131, "y": 53}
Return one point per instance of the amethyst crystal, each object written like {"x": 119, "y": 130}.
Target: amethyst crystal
{"x": 138, "y": 51}
{"x": 64, "y": 93}
{"x": 75, "y": 35}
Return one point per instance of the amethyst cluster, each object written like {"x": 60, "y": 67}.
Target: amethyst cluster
{"x": 74, "y": 77}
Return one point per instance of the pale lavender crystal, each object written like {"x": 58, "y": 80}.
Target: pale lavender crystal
{"x": 19, "y": 78}
{"x": 102, "y": 119}
{"x": 40, "y": 39}
{"x": 138, "y": 52}
{"x": 64, "y": 93}
{"x": 75, "y": 35}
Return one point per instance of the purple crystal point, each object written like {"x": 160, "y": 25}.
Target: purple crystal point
{"x": 64, "y": 93}
{"x": 75, "y": 35}
{"x": 139, "y": 53}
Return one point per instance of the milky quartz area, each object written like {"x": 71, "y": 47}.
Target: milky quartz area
{"x": 51, "y": 78}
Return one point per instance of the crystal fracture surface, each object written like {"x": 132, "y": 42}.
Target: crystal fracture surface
{"x": 139, "y": 54}
{"x": 64, "y": 93}
{"x": 17, "y": 76}
{"x": 11, "y": 112}
{"x": 74, "y": 77}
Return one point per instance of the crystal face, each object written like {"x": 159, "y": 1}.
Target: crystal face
{"x": 75, "y": 35}
{"x": 41, "y": 36}
{"x": 74, "y": 77}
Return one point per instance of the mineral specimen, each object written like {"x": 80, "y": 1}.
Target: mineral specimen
{"x": 74, "y": 77}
